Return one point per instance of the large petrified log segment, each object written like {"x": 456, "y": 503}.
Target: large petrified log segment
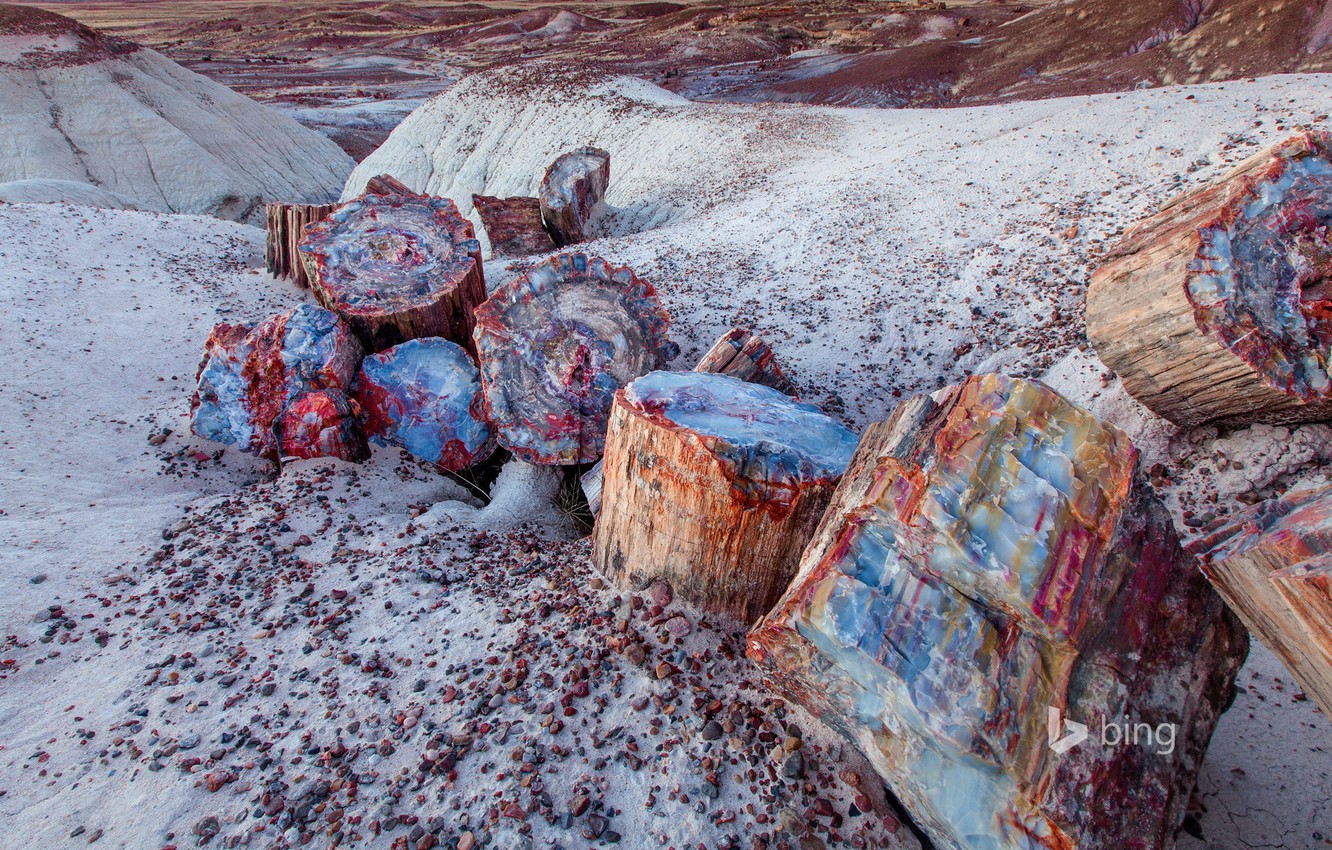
{"x": 1218, "y": 308}
{"x": 249, "y": 373}
{"x": 322, "y": 423}
{"x": 571, "y": 192}
{"x": 1273, "y": 566}
{"x": 513, "y": 225}
{"x": 425, "y": 396}
{"x": 285, "y": 228}
{"x": 397, "y": 267}
{"x": 556, "y": 344}
{"x": 739, "y": 353}
{"x": 992, "y": 563}
{"x": 714, "y": 485}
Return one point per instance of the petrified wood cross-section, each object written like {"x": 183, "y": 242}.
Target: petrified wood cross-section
{"x": 1219, "y": 308}
{"x": 571, "y": 192}
{"x": 397, "y": 267}
{"x": 1273, "y": 565}
{"x": 993, "y": 563}
{"x": 715, "y": 485}
{"x": 556, "y": 344}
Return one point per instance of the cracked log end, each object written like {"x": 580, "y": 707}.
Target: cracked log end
{"x": 556, "y": 344}
{"x": 987, "y": 557}
{"x": 397, "y": 267}
{"x": 1219, "y": 308}
{"x": 425, "y": 396}
{"x": 513, "y": 225}
{"x": 1272, "y": 564}
{"x": 571, "y": 191}
{"x": 714, "y": 485}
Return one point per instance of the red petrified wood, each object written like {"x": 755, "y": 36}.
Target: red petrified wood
{"x": 321, "y": 424}
{"x": 387, "y": 184}
{"x": 513, "y": 225}
{"x": 397, "y": 267}
{"x": 1218, "y": 308}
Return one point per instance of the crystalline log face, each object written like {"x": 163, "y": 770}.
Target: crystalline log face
{"x": 995, "y": 558}
{"x": 1260, "y": 281}
{"x": 322, "y": 423}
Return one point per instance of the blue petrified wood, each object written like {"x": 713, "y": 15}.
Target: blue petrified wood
{"x": 425, "y": 396}
{"x": 556, "y": 344}
{"x": 397, "y": 267}
{"x": 714, "y": 485}
{"x": 992, "y": 564}
{"x": 249, "y": 374}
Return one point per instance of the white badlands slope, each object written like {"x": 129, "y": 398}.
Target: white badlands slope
{"x": 203, "y": 644}
{"x": 79, "y": 107}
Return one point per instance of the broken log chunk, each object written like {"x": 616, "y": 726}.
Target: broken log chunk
{"x": 1219, "y": 308}
{"x": 714, "y": 485}
{"x": 249, "y": 373}
{"x": 1272, "y": 564}
{"x": 387, "y": 184}
{"x": 571, "y": 193}
{"x": 994, "y": 568}
{"x": 425, "y": 396}
{"x": 322, "y": 423}
{"x": 556, "y": 344}
{"x": 285, "y": 227}
{"x": 513, "y": 225}
{"x": 738, "y": 352}
{"x": 397, "y": 267}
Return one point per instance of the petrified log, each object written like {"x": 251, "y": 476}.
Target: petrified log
{"x": 740, "y": 353}
{"x": 513, "y": 225}
{"x": 715, "y": 485}
{"x": 1273, "y": 566}
{"x": 322, "y": 423}
{"x": 249, "y": 373}
{"x": 425, "y": 396}
{"x": 571, "y": 192}
{"x": 285, "y": 228}
{"x": 992, "y": 563}
{"x": 397, "y": 267}
{"x": 556, "y": 343}
{"x": 1218, "y": 307}
{"x": 387, "y": 184}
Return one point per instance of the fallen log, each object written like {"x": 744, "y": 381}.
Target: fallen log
{"x": 425, "y": 396}
{"x": 740, "y": 353}
{"x": 321, "y": 423}
{"x": 513, "y": 225}
{"x": 387, "y": 184}
{"x": 249, "y": 374}
{"x": 285, "y": 227}
{"x": 1218, "y": 308}
{"x": 993, "y": 568}
{"x": 714, "y": 485}
{"x": 397, "y": 267}
{"x": 571, "y": 193}
{"x": 1273, "y": 566}
{"x": 556, "y": 344}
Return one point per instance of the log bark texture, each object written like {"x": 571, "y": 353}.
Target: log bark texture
{"x": 1217, "y": 308}
{"x": 396, "y": 268}
{"x": 1273, "y": 566}
{"x": 556, "y": 344}
{"x": 715, "y": 486}
{"x": 513, "y": 225}
{"x": 387, "y": 184}
{"x": 286, "y": 227}
{"x": 571, "y": 192}
{"x": 992, "y": 565}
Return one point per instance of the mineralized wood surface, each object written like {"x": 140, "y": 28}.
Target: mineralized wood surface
{"x": 571, "y": 191}
{"x": 714, "y": 485}
{"x": 387, "y": 184}
{"x": 513, "y": 225}
{"x": 1273, "y": 565}
{"x": 321, "y": 423}
{"x": 554, "y": 347}
{"x": 993, "y": 563}
{"x": 285, "y": 228}
{"x": 1217, "y": 308}
{"x": 397, "y": 267}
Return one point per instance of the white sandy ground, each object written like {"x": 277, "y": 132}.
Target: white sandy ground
{"x": 852, "y": 239}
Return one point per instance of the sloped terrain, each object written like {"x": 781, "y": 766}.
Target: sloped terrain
{"x": 79, "y": 106}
